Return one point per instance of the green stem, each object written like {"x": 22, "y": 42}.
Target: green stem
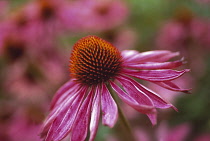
{"x": 126, "y": 125}
{"x": 124, "y": 122}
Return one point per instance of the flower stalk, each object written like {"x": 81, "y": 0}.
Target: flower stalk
{"x": 123, "y": 121}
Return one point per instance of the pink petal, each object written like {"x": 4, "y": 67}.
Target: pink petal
{"x": 140, "y": 97}
{"x": 171, "y": 86}
{"x": 128, "y": 53}
{"x": 155, "y": 75}
{"x": 154, "y": 65}
{"x": 148, "y": 110}
{"x": 57, "y": 110}
{"x": 63, "y": 89}
{"x": 80, "y": 127}
{"x": 135, "y": 93}
{"x": 153, "y": 118}
{"x": 150, "y": 56}
{"x": 62, "y": 124}
{"x": 109, "y": 108}
{"x": 95, "y": 115}
{"x": 67, "y": 89}
{"x": 156, "y": 99}
{"x": 131, "y": 101}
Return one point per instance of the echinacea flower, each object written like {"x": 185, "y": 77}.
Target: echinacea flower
{"x": 25, "y": 123}
{"x": 164, "y": 132}
{"x": 190, "y": 36}
{"x": 96, "y": 16}
{"x": 95, "y": 66}
{"x": 177, "y": 133}
{"x": 38, "y": 22}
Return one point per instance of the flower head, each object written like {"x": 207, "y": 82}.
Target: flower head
{"x": 96, "y": 15}
{"x": 13, "y": 49}
{"x": 94, "y": 61}
{"x": 27, "y": 122}
{"x": 96, "y": 65}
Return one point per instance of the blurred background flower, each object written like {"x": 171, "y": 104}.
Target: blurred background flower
{"x": 36, "y": 37}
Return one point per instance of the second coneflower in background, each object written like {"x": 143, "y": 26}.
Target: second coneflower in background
{"x": 96, "y": 65}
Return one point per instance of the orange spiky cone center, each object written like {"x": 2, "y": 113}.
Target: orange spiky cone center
{"x": 94, "y": 61}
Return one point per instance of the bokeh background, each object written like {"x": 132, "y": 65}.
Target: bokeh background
{"x": 36, "y": 38}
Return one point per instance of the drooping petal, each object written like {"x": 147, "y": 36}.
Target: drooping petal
{"x": 150, "y": 56}
{"x": 150, "y": 111}
{"x": 156, "y": 99}
{"x": 137, "y": 94}
{"x": 153, "y": 118}
{"x": 63, "y": 89}
{"x": 95, "y": 115}
{"x": 155, "y": 75}
{"x": 62, "y": 107}
{"x": 62, "y": 124}
{"x": 108, "y": 107}
{"x": 67, "y": 89}
{"x": 131, "y": 101}
{"x": 154, "y": 65}
{"x": 171, "y": 86}
{"x": 80, "y": 127}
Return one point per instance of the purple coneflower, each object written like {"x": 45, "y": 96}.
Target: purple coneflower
{"x": 164, "y": 132}
{"x": 96, "y": 15}
{"x": 96, "y": 66}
